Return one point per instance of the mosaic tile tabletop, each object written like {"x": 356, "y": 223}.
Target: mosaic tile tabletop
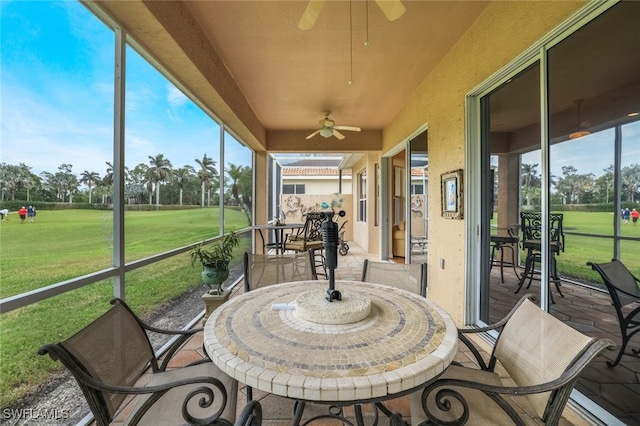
{"x": 405, "y": 342}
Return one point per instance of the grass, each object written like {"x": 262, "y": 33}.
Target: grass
{"x": 65, "y": 244}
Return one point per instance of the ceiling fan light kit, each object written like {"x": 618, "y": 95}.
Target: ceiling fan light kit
{"x": 328, "y": 128}
{"x": 392, "y": 9}
{"x": 581, "y": 132}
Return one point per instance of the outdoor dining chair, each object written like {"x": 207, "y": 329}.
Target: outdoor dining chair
{"x": 309, "y": 238}
{"x": 109, "y": 357}
{"x": 262, "y": 270}
{"x": 411, "y": 277}
{"x": 540, "y": 359}
{"x": 625, "y": 295}
{"x": 531, "y": 226}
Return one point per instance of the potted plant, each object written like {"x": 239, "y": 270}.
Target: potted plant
{"x": 215, "y": 260}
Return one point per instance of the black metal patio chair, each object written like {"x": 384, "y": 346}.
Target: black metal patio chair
{"x": 625, "y": 295}
{"x": 309, "y": 238}
{"x": 108, "y": 358}
{"x": 531, "y": 227}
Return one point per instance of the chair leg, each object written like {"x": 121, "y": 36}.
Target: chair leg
{"x": 528, "y": 270}
{"x": 554, "y": 275}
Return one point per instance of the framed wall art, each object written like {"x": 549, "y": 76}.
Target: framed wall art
{"x": 452, "y": 193}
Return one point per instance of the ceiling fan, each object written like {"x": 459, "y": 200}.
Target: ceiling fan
{"x": 328, "y": 128}
{"x": 392, "y": 9}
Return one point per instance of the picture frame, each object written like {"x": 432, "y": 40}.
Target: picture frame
{"x": 452, "y": 191}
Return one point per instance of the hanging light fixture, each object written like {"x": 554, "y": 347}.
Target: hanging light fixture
{"x": 582, "y": 131}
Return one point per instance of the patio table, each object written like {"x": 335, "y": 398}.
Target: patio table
{"x": 261, "y": 339}
{"x": 278, "y": 231}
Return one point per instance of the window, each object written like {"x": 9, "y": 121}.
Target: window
{"x": 417, "y": 189}
{"x": 293, "y": 188}
{"x": 362, "y": 197}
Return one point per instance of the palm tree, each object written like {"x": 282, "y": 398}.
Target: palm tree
{"x": 206, "y": 173}
{"x": 182, "y": 176}
{"x": 238, "y": 175}
{"x": 160, "y": 171}
{"x": 90, "y": 179}
{"x": 528, "y": 179}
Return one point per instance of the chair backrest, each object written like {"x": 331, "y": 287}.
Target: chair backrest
{"x": 411, "y": 277}
{"x": 531, "y": 225}
{"x": 313, "y": 226}
{"x": 621, "y": 283}
{"x": 262, "y": 270}
{"x": 534, "y": 348}
{"x": 113, "y": 349}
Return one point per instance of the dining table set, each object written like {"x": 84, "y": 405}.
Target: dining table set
{"x": 371, "y": 344}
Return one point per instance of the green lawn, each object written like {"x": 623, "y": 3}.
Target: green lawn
{"x": 64, "y": 244}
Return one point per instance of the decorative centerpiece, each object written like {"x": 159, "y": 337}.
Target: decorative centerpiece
{"x": 215, "y": 260}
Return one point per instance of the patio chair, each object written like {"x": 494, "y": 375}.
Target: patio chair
{"x": 531, "y": 226}
{"x": 261, "y": 270}
{"x": 625, "y": 295}
{"x": 411, "y": 277}
{"x": 540, "y": 359}
{"x": 309, "y": 238}
{"x": 251, "y": 415}
{"x": 110, "y": 355}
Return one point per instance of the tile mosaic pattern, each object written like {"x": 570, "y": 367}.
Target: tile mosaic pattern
{"x": 406, "y": 341}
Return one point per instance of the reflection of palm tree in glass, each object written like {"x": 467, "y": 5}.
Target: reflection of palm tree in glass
{"x": 160, "y": 171}
{"x": 206, "y": 173}
{"x": 528, "y": 179}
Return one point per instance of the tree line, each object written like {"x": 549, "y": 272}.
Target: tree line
{"x": 576, "y": 188}
{"x": 156, "y": 182}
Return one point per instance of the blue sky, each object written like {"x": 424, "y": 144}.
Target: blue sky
{"x": 57, "y": 97}
{"x": 593, "y": 153}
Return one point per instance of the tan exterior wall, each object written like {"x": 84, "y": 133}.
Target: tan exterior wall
{"x": 320, "y": 186}
{"x": 500, "y": 34}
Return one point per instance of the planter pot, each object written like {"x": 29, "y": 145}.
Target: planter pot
{"x": 212, "y": 301}
{"x": 214, "y": 277}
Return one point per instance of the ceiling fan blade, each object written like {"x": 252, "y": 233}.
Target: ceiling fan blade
{"x": 310, "y": 15}
{"x": 337, "y": 134}
{"x": 350, "y": 128}
{"x": 313, "y": 134}
{"x": 392, "y": 9}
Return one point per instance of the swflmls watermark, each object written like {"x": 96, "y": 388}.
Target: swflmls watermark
{"x": 45, "y": 414}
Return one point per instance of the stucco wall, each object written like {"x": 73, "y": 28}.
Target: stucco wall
{"x": 500, "y": 34}
{"x": 320, "y": 186}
